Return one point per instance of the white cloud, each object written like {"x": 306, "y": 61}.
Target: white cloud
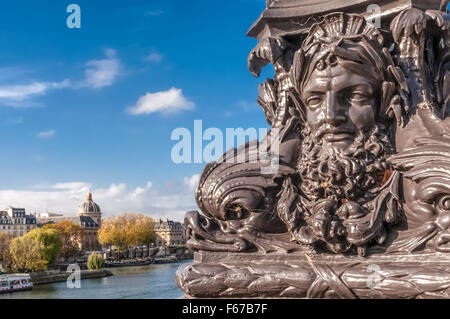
{"x": 192, "y": 181}
{"x": 18, "y": 93}
{"x": 98, "y": 74}
{"x": 171, "y": 201}
{"x": 154, "y": 57}
{"x": 46, "y": 134}
{"x": 166, "y": 102}
{"x": 21, "y": 92}
{"x": 69, "y": 186}
{"x": 101, "y": 73}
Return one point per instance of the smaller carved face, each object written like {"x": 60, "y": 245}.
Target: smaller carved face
{"x": 339, "y": 104}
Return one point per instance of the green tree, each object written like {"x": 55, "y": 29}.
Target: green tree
{"x": 5, "y": 256}
{"x": 95, "y": 261}
{"x": 51, "y": 241}
{"x": 26, "y": 254}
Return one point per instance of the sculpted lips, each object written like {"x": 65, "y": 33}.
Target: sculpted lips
{"x": 336, "y": 135}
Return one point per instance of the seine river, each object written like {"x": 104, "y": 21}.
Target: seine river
{"x": 143, "y": 282}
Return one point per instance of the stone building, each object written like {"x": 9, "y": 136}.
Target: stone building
{"x": 16, "y": 222}
{"x": 89, "y": 218}
{"x": 90, "y": 209}
{"x": 169, "y": 233}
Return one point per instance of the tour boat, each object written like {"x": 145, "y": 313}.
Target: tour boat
{"x": 15, "y": 282}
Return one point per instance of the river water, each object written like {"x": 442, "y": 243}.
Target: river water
{"x": 143, "y": 282}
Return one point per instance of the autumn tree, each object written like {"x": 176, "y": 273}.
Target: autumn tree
{"x": 112, "y": 232}
{"x": 51, "y": 242}
{"x": 127, "y": 230}
{"x": 95, "y": 261}
{"x": 139, "y": 229}
{"x": 27, "y": 254}
{"x": 71, "y": 237}
{"x": 5, "y": 256}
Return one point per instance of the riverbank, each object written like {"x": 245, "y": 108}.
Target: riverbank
{"x": 53, "y": 276}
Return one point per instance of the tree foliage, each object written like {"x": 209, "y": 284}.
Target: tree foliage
{"x": 5, "y": 256}
{"x": 95, "y": 261}
{"x": 71, "y": 236}
{"x": 27, "y": 254}
{"x": 127, "y": 230}
{"x": 50, "y": 240}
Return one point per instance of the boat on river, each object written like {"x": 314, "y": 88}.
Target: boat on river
{"x": 165, "y": 260}
{"x": 15, "y": 282}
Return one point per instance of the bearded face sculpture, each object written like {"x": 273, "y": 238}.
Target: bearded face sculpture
{"x": 345, "y": 86}
{"x": 345, "y": 144}
{"x": 339, "y": 99}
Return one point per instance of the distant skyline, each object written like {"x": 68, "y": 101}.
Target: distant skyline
{"x": 94, "y": 108}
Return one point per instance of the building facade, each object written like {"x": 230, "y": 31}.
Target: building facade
{"x": 169, "y": 233}
{"x": 16, "y": 222}
{"x": 47, "y": 215}
{"x": 89, "y": 217}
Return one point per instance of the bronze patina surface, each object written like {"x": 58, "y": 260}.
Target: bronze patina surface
{"x": 359, "y": 206}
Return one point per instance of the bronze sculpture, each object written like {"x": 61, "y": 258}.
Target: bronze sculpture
{"x": 363, "y": 180}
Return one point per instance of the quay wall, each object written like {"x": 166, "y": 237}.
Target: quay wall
{"x": 52, "y": 276}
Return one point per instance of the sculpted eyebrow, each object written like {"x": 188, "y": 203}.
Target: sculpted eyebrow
{"x": 321, "y": 89}
{"x": 343, "y": 86}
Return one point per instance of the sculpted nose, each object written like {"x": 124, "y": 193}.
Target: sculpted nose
{"x": 334, "y": 113}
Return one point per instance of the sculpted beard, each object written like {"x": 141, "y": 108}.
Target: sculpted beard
{"x": 352, "y": 175}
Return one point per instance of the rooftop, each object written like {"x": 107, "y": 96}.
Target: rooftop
{"x": 84, "y": 221}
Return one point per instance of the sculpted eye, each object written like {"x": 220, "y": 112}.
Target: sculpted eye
{"x": 444, "y": 203}
{"x": 357, "y": 97}
{"x": 314, "y": 101}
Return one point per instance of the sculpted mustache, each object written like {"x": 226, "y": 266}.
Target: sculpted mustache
{"x": 331, "y": 130}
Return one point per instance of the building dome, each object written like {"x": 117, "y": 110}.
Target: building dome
{"x": 89, "y": 206}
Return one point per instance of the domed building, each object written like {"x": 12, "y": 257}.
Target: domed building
{"x": 89, "y": 218}
{"x": 91, "y": 209}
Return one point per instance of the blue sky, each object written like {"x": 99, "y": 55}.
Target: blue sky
{"x": 64, "y": 96}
